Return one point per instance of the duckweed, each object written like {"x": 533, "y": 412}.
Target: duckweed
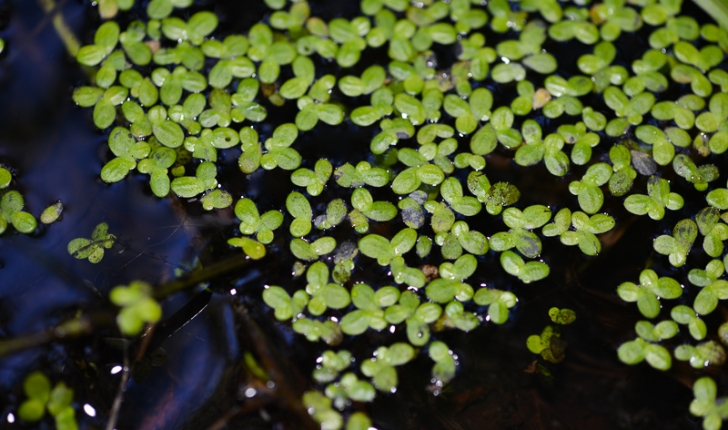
{"x": 435, "y": 129}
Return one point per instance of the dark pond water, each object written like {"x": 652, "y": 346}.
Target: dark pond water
{"x": 56, "y": 154}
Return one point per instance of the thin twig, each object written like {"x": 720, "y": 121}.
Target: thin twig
{"x": 67, "y": 330}
{"x": 87, "y": 324}
{"x": 221, "y": 422}
{"x": 215, "y": 270}
{"x": 119, "y": 398}
{"x": 287, "y": 396}
{"x": 145, "y": 343}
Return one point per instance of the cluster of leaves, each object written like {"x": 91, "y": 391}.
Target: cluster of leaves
{"x": 343, "y": 388}
{"x": 12, "y": 204}
{"x": 549, "y": 343}
{"x": 706, "y": 405}
{"x": 92, "y": 249}
{"x": 41, "y": 398}
{"x": 205, "y": 94}
{"x": 253, "y": 223}
{"x": 319, "y": 406}
{"x": 137, "y": 307}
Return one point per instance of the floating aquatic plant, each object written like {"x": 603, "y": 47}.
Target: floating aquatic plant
{"x": 93, "y": 248}
{"x": 41, "y": 398}
{"x": 138, "y": 307}
{"x": 549, "y": 343}
{"x": 181, "y": 99}
{"x": 706, "y": 405}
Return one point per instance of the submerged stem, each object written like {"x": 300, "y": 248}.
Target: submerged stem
{"x": 62, "y": 28}
{"x": 215, "y": 270}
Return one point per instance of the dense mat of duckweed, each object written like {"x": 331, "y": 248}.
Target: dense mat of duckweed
{"x": 619, "y": 105}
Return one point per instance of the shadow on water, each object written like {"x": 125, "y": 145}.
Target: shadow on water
{"x": 55, "y": 154}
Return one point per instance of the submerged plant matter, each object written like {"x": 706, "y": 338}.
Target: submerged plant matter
{"x": 179, "y": 100}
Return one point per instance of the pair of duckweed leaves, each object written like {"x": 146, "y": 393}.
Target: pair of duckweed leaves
{"x": 279, "y": 152}
{"x": 311, "y": 113}
{"x": 495, "y": 196}
{"x": 381, "y": 368}
{"x": 580, "y": 140}
{"x": 128, "y": 152}
{"x": 527, "y": 272}
{"x": 323, "y": 294}
{"x": 363, "y": 173}
{"x": 704, "y": 354}
{"x": 658, "y": 198}
{"x": 535, "y": 150}
{"x": 528, "y": 49}
{"x": 632, "y": 108}
{"x": 381, "y": 211}
{"x": 699, "y": 176}
{"x": 383, "y": 250}
{"x": 644, "y": 348}
{"x": 452, "y": 243}
{"x": 419, "y": 171}
{"x": 315, "y": 330}
{"x": 253, "y": 223}
{"x": 714, "y": 232}
{"x": 498, "y": 302}
{"x": 58, "y": 401}
{"x": 348, "y": 388}
{"x": 204, "y": 180}
{"x": 309, "y": 251}
{"x": 398, "y": 308}
{"x": 313, "y": 180}
{"x": 646, "y": 294}
{"x": 12, "y": 204}
{"x": 585, "y": 229}
{"x": 712, "y": 290}
{"x": 450, "y": 284}
{"x": 445, "y": 362}
{"x": 686, "y": 315}
{"x": 330, "y": 364}
{"x": 520, "y": 235}
{"x": 678, "y": 245}
{"x": 588, "y": 191}
{"x": 336, "y": 212}
{"x": 451, "y": 191}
